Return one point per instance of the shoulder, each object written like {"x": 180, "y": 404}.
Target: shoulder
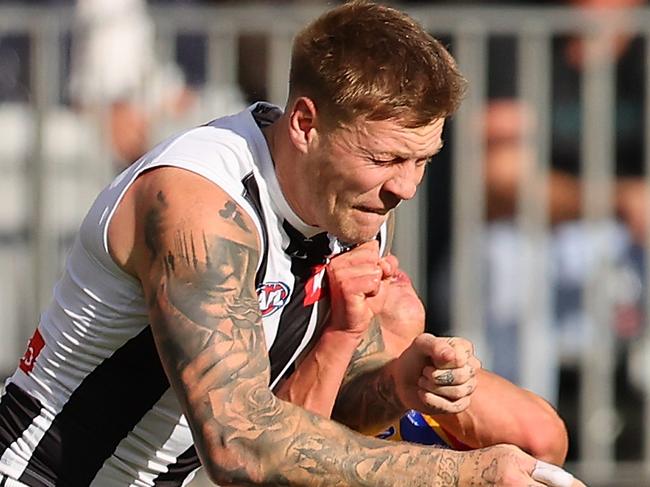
{"x": 221, "y": 148}
{"x": 170, "y": 208}
{"x": 178, "y": 198}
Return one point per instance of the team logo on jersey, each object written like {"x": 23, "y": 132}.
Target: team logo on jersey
{"x": 272, "y": 296}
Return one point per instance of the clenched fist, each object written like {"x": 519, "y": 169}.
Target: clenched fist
{"x": 436, "y": 375}
{"x": 357, "y": 282}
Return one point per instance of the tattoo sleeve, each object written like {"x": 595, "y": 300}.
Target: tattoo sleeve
{"x": 367, "y": 401}
{"x": 207, "y": 326}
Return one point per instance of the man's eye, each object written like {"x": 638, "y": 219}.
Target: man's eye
{"x": 393, "y": 160}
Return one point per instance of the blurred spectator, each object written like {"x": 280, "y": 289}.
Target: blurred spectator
{"x": 572, "y": 255}
{"x": 117, "y": 75}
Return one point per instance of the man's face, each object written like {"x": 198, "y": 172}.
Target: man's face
{"x": 364, "y": 170}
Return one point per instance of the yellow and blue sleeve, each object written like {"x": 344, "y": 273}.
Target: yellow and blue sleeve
{"x": 416, "y": 427}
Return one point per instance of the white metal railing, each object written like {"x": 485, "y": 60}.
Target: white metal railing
{"x": 35, "y": 261}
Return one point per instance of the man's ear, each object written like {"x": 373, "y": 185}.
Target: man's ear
{"x": 303, "y": 123}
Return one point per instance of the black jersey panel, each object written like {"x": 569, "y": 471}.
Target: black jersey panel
{"x": 17, "y": 411}
{"x": 178, "y": 471}
{"x": 252, "y": 195}
{"x": 305, "y": 254}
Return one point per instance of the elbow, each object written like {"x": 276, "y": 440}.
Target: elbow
{"x": 233, "y": 463}
{"x": 548, "y": 439}
{"x": 247, "y": 455}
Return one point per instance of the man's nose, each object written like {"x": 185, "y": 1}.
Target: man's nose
{"x": 405, "y": 181}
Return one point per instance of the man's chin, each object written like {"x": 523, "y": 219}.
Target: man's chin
{"x": 359, "y": 230}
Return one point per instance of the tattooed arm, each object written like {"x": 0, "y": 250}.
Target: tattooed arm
{"x": 196, "y": 253}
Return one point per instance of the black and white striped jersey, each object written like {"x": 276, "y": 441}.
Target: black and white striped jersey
{"x": 89, "y": 403}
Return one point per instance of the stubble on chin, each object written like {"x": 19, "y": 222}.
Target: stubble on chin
{"x": 350, "y": 231}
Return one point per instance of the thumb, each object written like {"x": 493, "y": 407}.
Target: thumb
{"x": 554, "y": 476}
{"x": 438, "y": 349}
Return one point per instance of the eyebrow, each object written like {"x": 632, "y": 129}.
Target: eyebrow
{"x": 394, "y": 155}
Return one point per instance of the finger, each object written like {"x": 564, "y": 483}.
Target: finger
{"x": 360, "y": 270}
{"x": 552, "y": 475}
{"x": 360, "y": 286}
{"x": 441, "y": 405}
{"x": 453, "y": 393}
{"x": 474, "y": 364}
{"x": 449, "y": 377}
{"x": 464, "y": 349}
{"x": 368, "y": 251}
{"x": 442, "y": 355}
{"x": 401, "y": 278}
{"x": 353, "y": 258}
{"x": 389, "y": 266}
{"x": 370, "y": 248}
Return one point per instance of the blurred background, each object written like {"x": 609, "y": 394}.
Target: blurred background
{"x": 529, "y": 235}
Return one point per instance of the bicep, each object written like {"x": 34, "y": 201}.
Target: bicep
{"x": 202, "y": 253}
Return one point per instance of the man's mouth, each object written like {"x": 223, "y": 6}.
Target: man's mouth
{"x": 377, "y": 211}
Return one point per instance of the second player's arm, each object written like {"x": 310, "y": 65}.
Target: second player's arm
{"x": 499, "y": 412}
{"x": 355, "y": 281}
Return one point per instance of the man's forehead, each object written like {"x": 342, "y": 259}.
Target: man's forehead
{"x": 388, "y": 136}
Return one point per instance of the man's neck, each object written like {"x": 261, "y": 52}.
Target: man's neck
{"x": 287, "y": 165}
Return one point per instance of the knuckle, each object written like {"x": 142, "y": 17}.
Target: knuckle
{"x": 511, "y": 477}
{"x": 429, "y": 372}
{"x": 345, "y": 286}
{"x": 458, "y": 393}
{"x": 471, "y": 374}
{"x": 437, "y": 403}
{"x": 461, "y": 404}
{"x": 450, "y": 393}
{"x": 422, "y": 382}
